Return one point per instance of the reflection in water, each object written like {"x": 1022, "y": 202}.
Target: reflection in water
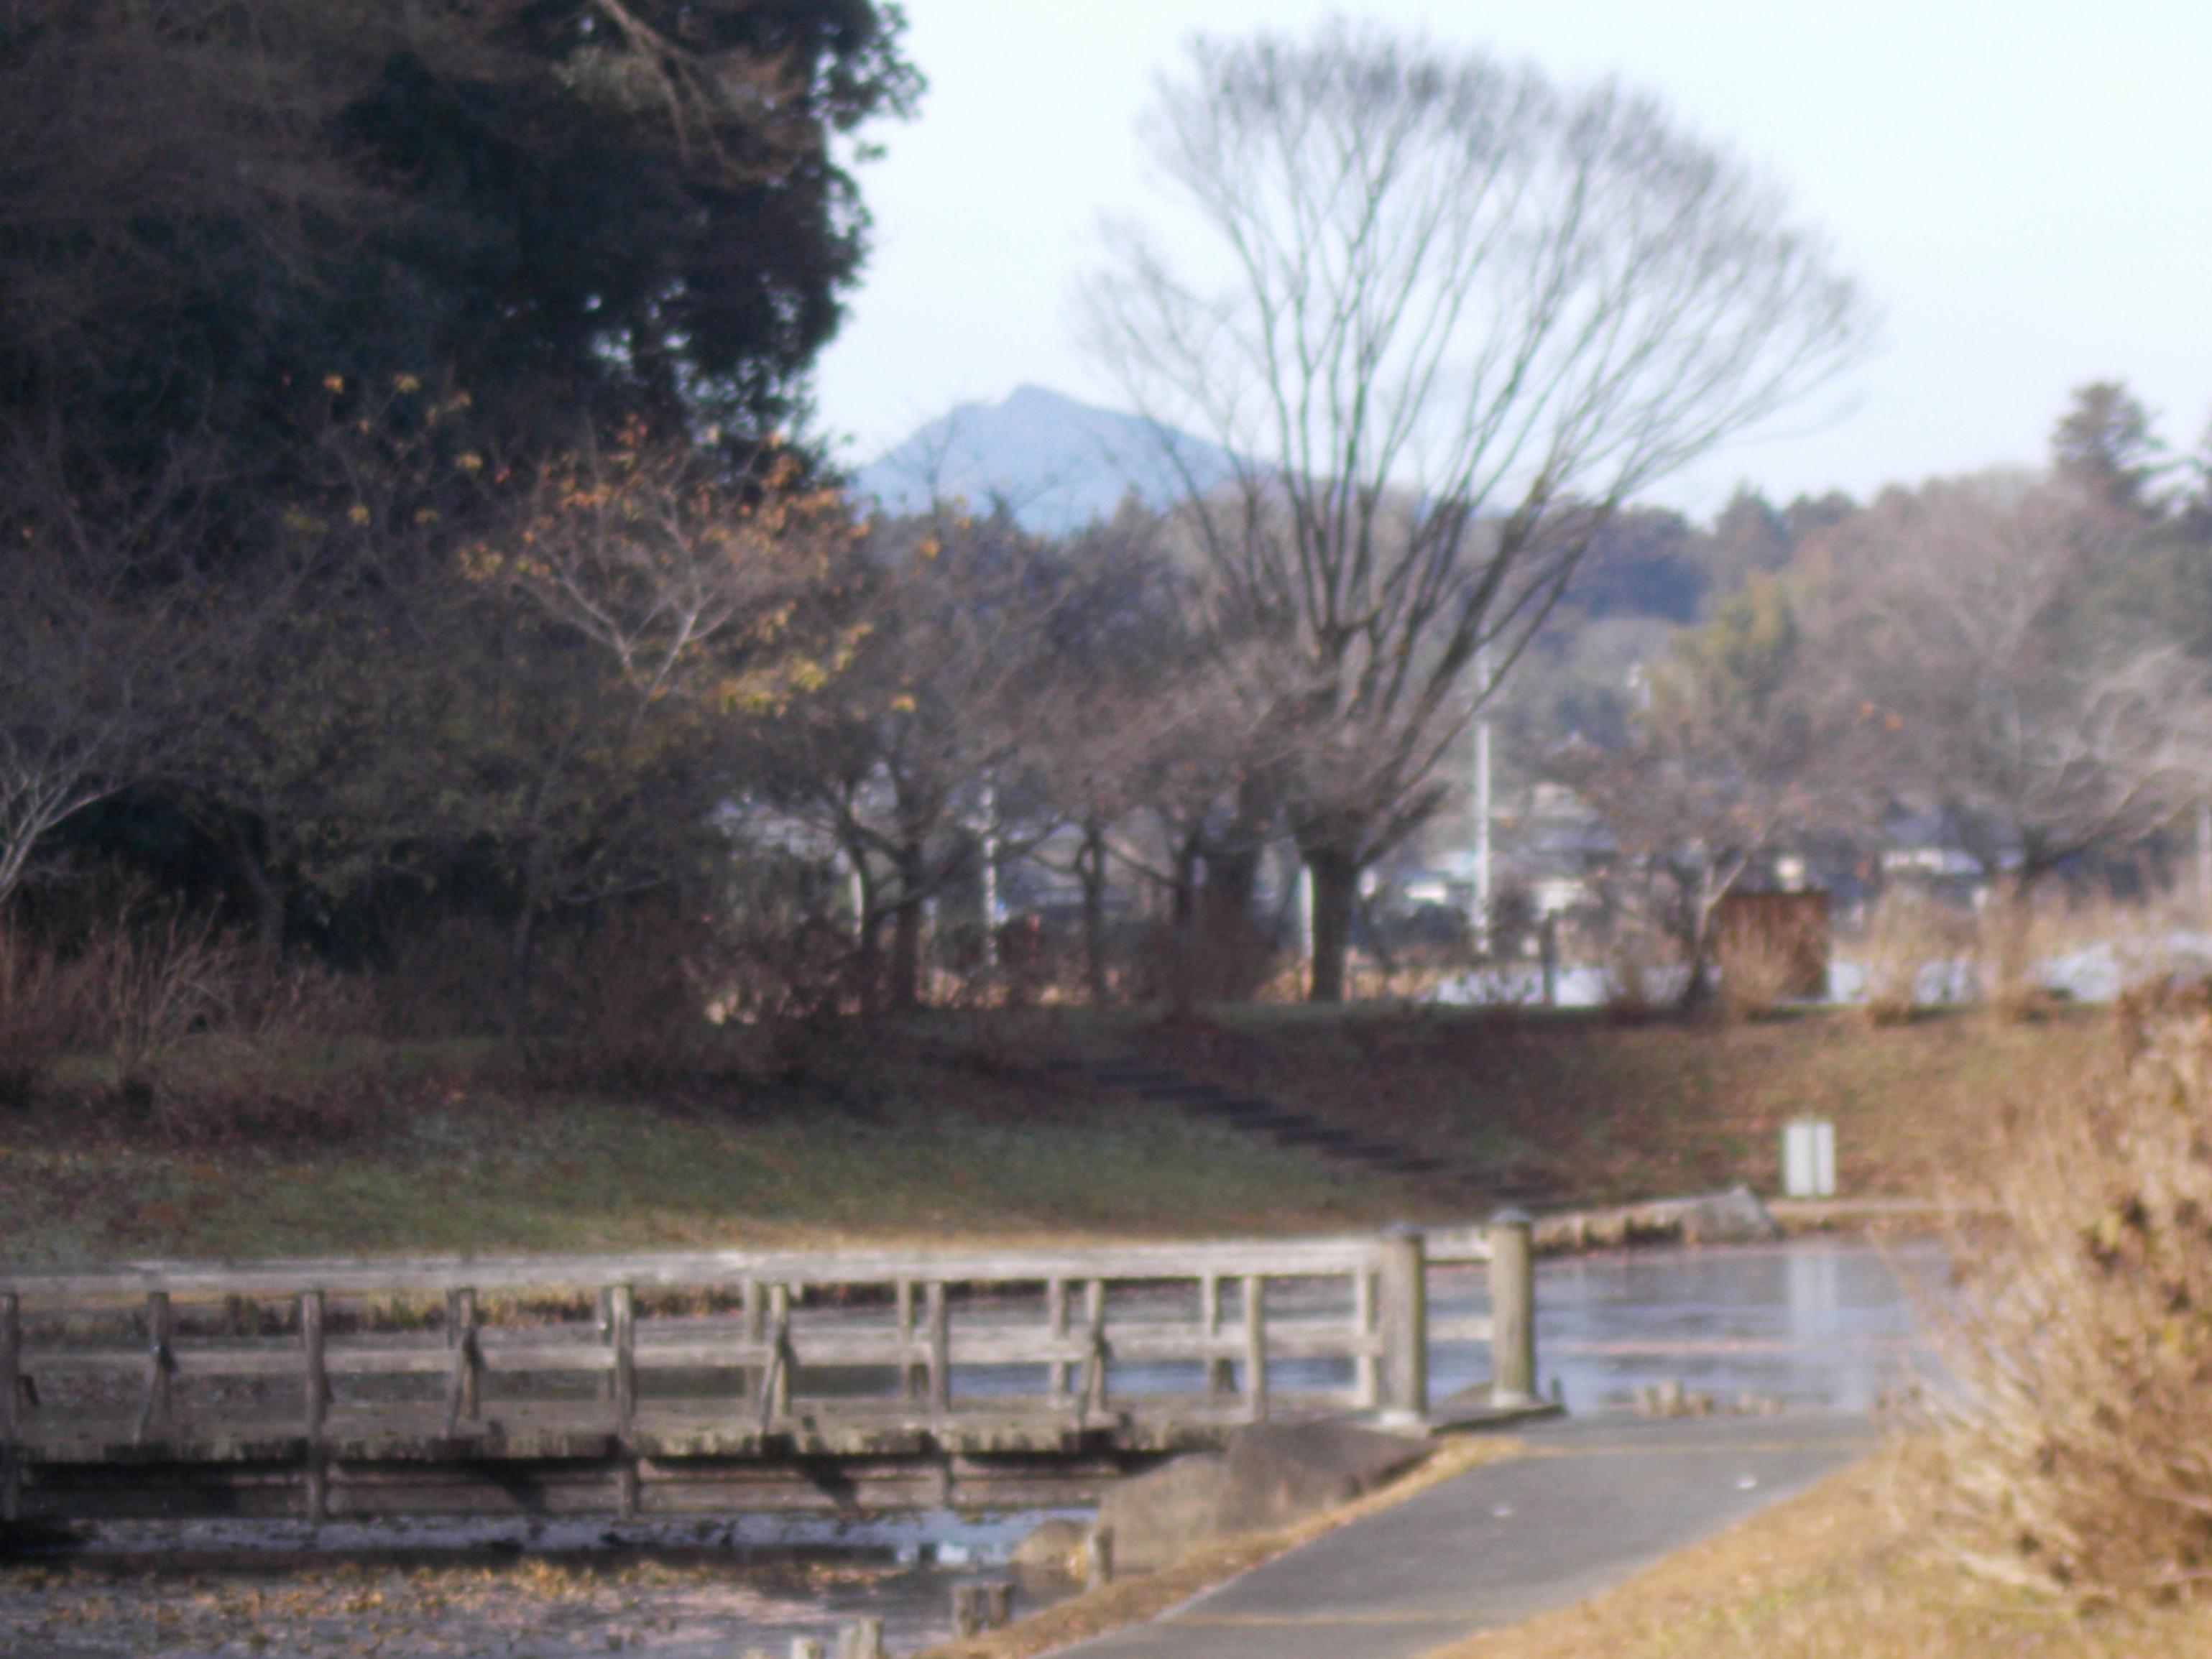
{"x": 1817, "y": 1324}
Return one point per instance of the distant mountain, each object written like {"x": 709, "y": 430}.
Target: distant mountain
{"x": 1056, "y": 462}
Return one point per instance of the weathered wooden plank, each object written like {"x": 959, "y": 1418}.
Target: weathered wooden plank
{"x": 1332, "y": 1301}
{"x": 1460, "y": 1328}
{"x": 43, "y": 1287}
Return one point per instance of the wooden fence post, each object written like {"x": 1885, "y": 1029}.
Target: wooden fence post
{"x": 756, "y": 1318}
{"x": 940, "y": 1350}
{"x": 1366, "y": 1375}
{"x": 315, "y": 1388}
{"x": 1093, "y": 1384}
{"x": 464, "y": 1391}
{"x": 1055, "y": 1319}
{"x": 1209, "y": 1318}
{"x": 1405, "y": 1327}
{"x": 11, "y": 1406}
{"x": 621, "y": 1321}
{"x": 776, "y": 1395}
{"x": 910, "y": 1374}
{"x": 160, "y": 1366}
{"x": 1512, "y": 1310}
{"x": 1255, "y": 1348}
{"x": 11, "y": 1368}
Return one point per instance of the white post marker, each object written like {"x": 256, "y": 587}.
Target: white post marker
{"x": 1808, "y": 1158}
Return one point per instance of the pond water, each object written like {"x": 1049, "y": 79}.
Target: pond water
{"x": 1814, "y": 1325}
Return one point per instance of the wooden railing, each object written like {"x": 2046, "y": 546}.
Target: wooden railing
{"x": 729, "y": 1354}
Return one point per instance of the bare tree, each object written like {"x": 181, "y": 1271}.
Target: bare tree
{"x": 102, "y": 640}
{"x": 899, "y": 758}
{"x": 1990, "y": 695}
{"x": 1741, "y": 747}
{"x": 1457, "y": 317}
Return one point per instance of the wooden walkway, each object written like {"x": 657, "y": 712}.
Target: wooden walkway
{"x": 708, "y": 1382}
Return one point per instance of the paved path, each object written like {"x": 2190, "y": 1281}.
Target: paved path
{"x": 1597, "y": 1499}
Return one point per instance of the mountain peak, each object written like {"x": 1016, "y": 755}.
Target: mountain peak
{"x": 1057, "y": 463}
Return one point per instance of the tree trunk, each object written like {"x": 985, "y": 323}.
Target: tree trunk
{"x": 1229, "y": 951}
{"x": 1335, "y": 877}
{"x": 268, "y": 902}
{"x": 906, "y": 932}
{"x": 1182, "y": 927}
{"x": 2008, "y": 944}
{"x": 1091, "y": 869}
{"x": 521, "y": 940}
{"x": 868, "y": 928}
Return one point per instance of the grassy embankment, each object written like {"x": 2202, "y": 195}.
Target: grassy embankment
{"x": 951, "y": 1130}
{"x": 1844, "y": 1571}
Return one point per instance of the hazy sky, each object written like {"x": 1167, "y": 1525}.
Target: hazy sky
{"x": 2021, "y": 185}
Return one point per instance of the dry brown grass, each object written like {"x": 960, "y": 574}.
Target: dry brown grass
{"x": 167, "y": 1025}
{"x": 2079, "y": 1445}
{"x": 1842, "y": 1571}
{"x": 1604, "y": 1111}
{"x": 1147, "y": 1596}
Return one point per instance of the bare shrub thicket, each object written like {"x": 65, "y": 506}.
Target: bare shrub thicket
{"x": 211, "y": 1040}
{"x": 1758, "y": 966}
{"x": 2081, "y": 1343}
{"x": 41, "y": 1013}
{"x": 445, "y": 981}
{"x": 1642, "y": 963}
{"x": 623, "y": 1000}
{"x": 1906, "y": 935}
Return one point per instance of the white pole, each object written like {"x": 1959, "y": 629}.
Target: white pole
{"x": 2204, "y": 861}
{"x": 1305, "y": 922}
{"x": 1482, "y": 868}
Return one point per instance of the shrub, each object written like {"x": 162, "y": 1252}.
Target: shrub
{"x": 1643, "y": 967}
{"x": 2081, "y": 1343}
{"x": 2008, "y": 936}
{"x": 1906, "y": 935}
{"x": 1757, "y": 968}
{"x": 622, "y": 1000}
{"x": 212, "y": 1042}
{"x": 452, "y": 979}
{"x": 41, "y": 1014}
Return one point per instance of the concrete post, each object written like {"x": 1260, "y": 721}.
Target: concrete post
{"x": 1512, "y": 1310}
{"x": 1405, "y": 1312}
